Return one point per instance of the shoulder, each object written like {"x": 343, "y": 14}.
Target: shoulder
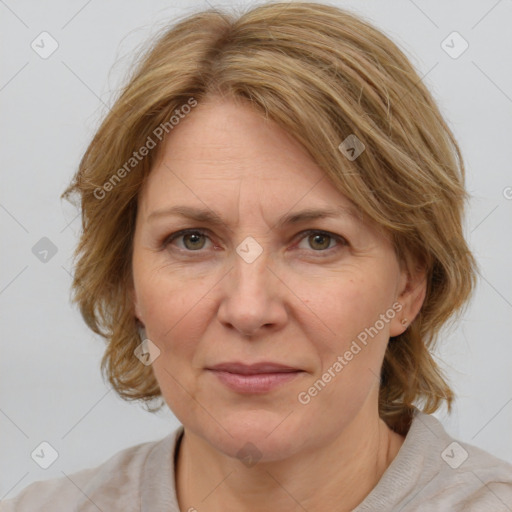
{"x": 113, "y": 485}
{"x": 471, "y": 479}
{"x": 459, "y": 476}
{"x": 433, "y": 471}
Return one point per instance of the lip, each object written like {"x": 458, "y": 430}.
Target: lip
{"x": 254, "y": 378}
{"x": 254, "y": 368}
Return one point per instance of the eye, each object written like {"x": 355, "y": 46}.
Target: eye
{"x": 193, "y": 239}
{"x": 322, "y": 241}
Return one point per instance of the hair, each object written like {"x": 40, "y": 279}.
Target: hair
{"x": 322, "y": 74}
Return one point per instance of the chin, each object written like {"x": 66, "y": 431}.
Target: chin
{"x": 261, "y": 436}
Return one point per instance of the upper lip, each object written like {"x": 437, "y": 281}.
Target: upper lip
{"x": 255, "y": 368}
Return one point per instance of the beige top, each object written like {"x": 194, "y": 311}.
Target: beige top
{"x": 431, "y": 472}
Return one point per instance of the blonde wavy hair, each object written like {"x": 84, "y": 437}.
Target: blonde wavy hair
{"x": 321, "y": 73}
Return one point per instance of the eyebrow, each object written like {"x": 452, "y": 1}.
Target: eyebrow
{"x": 210, "y": 217}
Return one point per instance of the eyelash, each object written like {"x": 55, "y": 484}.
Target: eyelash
{"x": 342, "y": 242}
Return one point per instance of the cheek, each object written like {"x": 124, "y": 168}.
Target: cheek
{"x": 344, "y": 305}
{"x": 351, "y": 351}
{"x": 176, "y": 313}
{"x": 169, "y": 298}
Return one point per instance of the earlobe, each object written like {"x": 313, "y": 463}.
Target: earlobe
{"x": 137, "y": 313}
{"x": 136, "y": 309}
{"x": 412, "y": 296}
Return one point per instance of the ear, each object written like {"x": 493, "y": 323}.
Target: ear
{"x": 411, "y": 294}
{"x": 136, "y": 307}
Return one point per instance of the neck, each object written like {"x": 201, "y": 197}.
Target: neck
{"x": 338, "y": 475}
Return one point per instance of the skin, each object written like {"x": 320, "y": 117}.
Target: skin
{"x": 301, "y": 303}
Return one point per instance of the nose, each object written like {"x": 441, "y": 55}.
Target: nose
{"x": 253, "y": 298}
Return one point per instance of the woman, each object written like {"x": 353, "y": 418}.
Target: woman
{"x": 271, "y": 243}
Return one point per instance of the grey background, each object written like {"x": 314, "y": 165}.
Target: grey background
{"x": 50, "y": 384}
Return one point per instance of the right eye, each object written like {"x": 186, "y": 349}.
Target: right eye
{"x": 193, "y": 240}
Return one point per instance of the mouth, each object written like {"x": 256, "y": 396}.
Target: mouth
{"x": 254, "y": 378}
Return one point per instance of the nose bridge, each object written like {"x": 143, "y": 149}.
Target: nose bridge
{"x": 251, "y": 272}
{"x": 251, "y": 299}
{"x": 251, "y": 276}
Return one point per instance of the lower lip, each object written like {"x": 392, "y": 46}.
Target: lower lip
{"x": 258, "y": 383}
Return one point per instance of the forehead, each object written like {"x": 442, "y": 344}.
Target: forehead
{"x": 233, "y": 138}
{"x": 223, "y": 147}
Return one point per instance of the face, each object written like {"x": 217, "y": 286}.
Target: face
{"x": 260, "y": 287}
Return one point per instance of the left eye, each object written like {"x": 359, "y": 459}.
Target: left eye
{"x": 194, "y": 240}
{"x": 320, "y": 240}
